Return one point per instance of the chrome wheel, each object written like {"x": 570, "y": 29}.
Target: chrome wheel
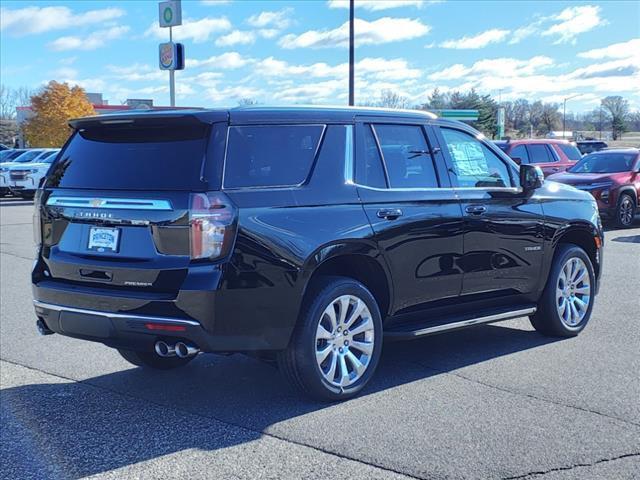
{"x": 573, "y": 292}
{"x": 625, "y": 211}
{"x": 344, "y": 340}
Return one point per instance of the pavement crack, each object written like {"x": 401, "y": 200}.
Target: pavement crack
{"x": 14, "y": 255}
{"x": 571, "y": 467}
{"x": 224, "y": 422}
{"x": 530, "y": 395}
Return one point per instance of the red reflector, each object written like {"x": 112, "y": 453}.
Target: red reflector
{"x": 164, "y": 327}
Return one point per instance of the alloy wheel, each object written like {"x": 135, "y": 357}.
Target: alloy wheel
{"x": 625, "y": 212}
{"x": 573, "y": 292}
{"x": 344, "y": 340}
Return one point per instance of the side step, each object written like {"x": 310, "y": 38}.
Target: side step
{"x": 407, "y": 332}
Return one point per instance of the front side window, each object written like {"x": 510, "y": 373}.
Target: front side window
{"x": 539, "y": 153}
{"x": 407, "y": 156}
{"x": 271, "y": 155}
{"x": 520, "y": 151}
{"x": 473, "y": 163}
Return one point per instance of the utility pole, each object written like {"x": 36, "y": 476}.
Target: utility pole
{"x": 564, "y": 113}
{"x": 171, "y": 55}
{"x": 351, "y": 53}
{"x": 172, "y": 76}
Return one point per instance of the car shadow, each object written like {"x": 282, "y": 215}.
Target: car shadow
{"x": 14, "y": 202}
{"x": 627, "y": 239}
{"x": 137, "y": 415}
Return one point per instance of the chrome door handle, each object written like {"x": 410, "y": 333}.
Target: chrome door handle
{"x": 475, "y": 209}
{"x": 389, "y": 213}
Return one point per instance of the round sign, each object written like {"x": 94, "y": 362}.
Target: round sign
{"x": 166, "y": 55}
{"x": 167, "y": 15}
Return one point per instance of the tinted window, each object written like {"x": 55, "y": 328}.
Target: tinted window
{"x": 369, "y": 170}
{"x": 406, "y": 156}
{"x": 132, "y": 157}
{"x": 520, "y": 151}
{"x": 28, "y": 156}
{"x": 474, "y": 164}
{"x": 538, "y": 153}
{"x": 571, "y": 152}
{"x": 605, "y": 163}
{"x": 268, "y": 156}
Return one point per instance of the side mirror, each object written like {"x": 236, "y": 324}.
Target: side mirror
{"x": 518, "y": 160}
{"x": 531, "y": 177}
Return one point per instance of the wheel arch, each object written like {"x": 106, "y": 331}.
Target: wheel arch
{"x": 583, "y": 237}
{"x": 628, "y": 189}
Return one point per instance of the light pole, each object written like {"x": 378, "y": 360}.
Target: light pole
{"x": 564, "y": 113}
{"x": 351, "y": 53}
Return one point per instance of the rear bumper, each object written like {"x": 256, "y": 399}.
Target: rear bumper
{"x": 214, "y": 320}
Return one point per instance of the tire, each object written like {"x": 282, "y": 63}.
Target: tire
{"x": 563, "y": 288}
{"x": 317, "y": 333}
{"x": 152, "y": 360}
{"x": 625, "y": 211}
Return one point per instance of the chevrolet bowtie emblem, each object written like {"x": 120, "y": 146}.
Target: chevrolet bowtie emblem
{"x": 97, "y": 202}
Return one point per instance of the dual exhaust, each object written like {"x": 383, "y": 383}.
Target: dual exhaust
{"x": 180, "y": 349}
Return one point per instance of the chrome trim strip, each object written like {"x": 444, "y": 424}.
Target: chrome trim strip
{"x": 112, "y": 203}
{"x": 142, "y": 318}
{"x": 348, "y": 156}
{"x": 464, "y": 323}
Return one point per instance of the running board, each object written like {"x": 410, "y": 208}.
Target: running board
{"x": 448, "y": 327}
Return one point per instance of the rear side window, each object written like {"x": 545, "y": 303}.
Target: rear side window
{"x": 369, "y": 169}
{"x": 407, "y": 156}
{"x": 570, "y": 151}
{"x": 270, "y": 155}
{"x": 539, "y": 153}
{"x": 133, "y": 157}
{"x": 520, "y": 151}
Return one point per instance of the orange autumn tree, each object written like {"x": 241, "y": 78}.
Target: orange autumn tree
{"x": 52, "y": 109}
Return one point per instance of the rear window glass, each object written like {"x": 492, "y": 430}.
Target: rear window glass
{"x": 538, "y": 153}
{"x": 132, "y": 157}
{"x": 571, "y": 152}
{"x": 270, "y": 156}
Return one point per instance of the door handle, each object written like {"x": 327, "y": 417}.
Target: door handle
{"x": 475, "y": 209}
{"x": 389, "y": 213}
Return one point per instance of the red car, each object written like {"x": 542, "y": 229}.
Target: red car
{"x": 550, "y": 155}
{"x": 613, "y": 178}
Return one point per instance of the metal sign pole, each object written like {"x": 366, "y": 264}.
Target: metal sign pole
{"x": 172, "y": 77}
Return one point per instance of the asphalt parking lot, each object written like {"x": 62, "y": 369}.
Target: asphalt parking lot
{"x": 497, "y": 401}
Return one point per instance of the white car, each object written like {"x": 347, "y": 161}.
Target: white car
{"x": 24, "y": 177}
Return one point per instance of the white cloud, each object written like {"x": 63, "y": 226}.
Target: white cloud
{"x": 92, "y": 41}
{"x": 573, "y": 21}
{"x": 237, "y": 37}
{"x": 383, "y": 30}
{"x": 215, "y": 3}
{"x": 615, "y": 50}
{"x": 280, "y": 19}
{"x": 65, "y": 73}
{"x": 137, "y": 72}
{"x": 497, "y": 66}
{"x": 32, "y": 20}
{"x": 376, "y": 5}
{"x": 268, "y": 32}
{"x": 224, "y": 61}
{"x": 198, "y": 31}
{"x": 371, "y": 68}
{"x": 229, "y": 95}
{"x": 481, "y": 40}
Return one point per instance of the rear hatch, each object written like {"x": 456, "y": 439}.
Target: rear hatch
{"x": 117, "y": 205}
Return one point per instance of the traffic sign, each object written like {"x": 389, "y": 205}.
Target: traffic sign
{"x": 170, "y": 13}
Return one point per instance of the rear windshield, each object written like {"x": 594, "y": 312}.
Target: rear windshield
{"x": 570, "y": 151}
{"x": 270, "y": 156}
{"x": 133, "y": 157}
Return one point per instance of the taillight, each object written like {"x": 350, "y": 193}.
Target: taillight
{"x": 212, "y": 220}
{"x": 37, "y": 225}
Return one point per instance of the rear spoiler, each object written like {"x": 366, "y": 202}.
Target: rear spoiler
{"x": 151, "y": 117}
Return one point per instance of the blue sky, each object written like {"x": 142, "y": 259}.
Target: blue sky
{"x": 279, "y": 52}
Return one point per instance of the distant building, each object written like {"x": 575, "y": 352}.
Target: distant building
{"x": 101, "y": 107}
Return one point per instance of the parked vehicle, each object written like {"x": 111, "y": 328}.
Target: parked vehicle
{"x": 19, "y": 157}
{"x": 24, "y": 178}
{"x": 613, "y": 178}
{"x": 3, "y": 147}
{"x": 302, "y": 234}
{"x": 550, "y": 155}
{"x": 590, "y": 146}
{"x": 7, "y": 156}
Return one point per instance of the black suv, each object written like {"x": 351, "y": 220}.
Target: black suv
{"x": 304, "y": 235}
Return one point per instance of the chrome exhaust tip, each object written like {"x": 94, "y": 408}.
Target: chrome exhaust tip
{"x": 184, "y": 350}
{"x": 163, "y": 349}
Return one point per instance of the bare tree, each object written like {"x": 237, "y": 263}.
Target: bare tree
{"x": 617, "y": 109}
{"x": 391, "y": 99}
{"x": 247, "y": 101}
{"x": 10, "y": 98}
